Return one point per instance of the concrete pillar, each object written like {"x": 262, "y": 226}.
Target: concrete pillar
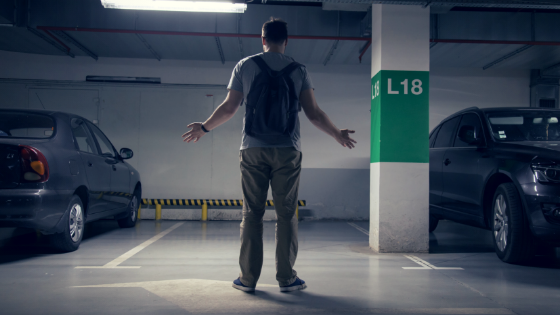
{"x": 399, "y": 129}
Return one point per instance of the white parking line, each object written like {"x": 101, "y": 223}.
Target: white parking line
{"x": 426, "y": 265}
{"x": 359, "y": 228}
{"x": 122, "y": 258}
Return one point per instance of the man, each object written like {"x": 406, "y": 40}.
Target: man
{"x": 269, "y": 159}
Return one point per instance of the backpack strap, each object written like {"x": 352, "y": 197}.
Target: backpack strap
{"x": 290, "y": 68}
{"x": 262, "y": 64}
{"x": 265, "y": 68}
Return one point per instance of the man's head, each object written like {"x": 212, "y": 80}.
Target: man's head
{"x": 275, "y": 35}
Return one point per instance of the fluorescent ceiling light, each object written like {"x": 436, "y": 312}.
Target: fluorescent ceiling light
{"x": 176, "y": 5}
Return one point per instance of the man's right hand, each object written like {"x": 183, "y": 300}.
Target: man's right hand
{"x": 194, "y": 134}
{"x": 345, "y": 140}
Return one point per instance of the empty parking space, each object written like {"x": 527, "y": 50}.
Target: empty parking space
{"x": 192, "y": 266}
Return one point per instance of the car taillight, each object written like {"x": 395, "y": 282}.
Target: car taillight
{"x": 34, "y": 166}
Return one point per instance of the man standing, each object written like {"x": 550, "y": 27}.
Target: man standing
{"x": 273, "y": 86}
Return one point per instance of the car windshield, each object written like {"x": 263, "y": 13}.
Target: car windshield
{"x": 25, "y": 125}
{"x": 525, "y": 125}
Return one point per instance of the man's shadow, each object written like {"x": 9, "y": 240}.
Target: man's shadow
{"x": 306, "y": 302}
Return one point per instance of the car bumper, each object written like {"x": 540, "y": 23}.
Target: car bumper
{"x": 39, "y": 209}
{"x": 545, "y": 228}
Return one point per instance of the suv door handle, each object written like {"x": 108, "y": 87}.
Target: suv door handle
{"x": 447, "y": 162}
{"x": 114, "y": 168}
{"x": 89, "y": 164}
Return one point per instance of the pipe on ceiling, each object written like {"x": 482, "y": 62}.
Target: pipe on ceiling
{"x": 502, "y": 42}
{"x": 46, "y": 29}
{"x": 365, "y": 39}
{"x": 148, "y": 32}
{"x": 520, "y": 4}
{"x": 364, "y": 49}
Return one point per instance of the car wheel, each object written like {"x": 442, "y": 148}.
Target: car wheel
{"x": 433, "y": 223}
{"x": 512, "y": 237}
{"x": 132, "y": 210}
{"x": 70, "y": 238}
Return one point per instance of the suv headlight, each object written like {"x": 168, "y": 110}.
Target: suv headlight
{"x": 546, "y": 172}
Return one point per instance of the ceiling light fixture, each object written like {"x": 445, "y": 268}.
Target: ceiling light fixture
{"x": 176, "y": 5}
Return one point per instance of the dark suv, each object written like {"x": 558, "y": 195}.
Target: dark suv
{"x": 499, "y": 169}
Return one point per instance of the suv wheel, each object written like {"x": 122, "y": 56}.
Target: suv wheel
{"x": 132, "y": 210}
{"x": 512, "y": 238}
{"x": 70, "y": 238}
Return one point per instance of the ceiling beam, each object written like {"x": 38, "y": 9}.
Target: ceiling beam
{"x": 550, "y": 68}
{"x": 517, "y": 51}
{"x": 240, "y": 42}
{"x": 74, "y": 42}
{"x": 331, "y": 52}
{"x": 335, "y": 44}
{"x": 435, "y": 29}
{"x": 219, "y": 45}
{"x": 148, "y": 46}
{"x": 506, "y": 57}
{"x": 56, "y": 43}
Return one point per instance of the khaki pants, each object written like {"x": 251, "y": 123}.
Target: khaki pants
{"x": 279, "y": 167}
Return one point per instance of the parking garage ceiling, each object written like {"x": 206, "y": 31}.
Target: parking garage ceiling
{"x": 479, "y": 34}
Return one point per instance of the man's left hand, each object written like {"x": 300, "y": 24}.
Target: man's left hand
{"x": 194, "y": 134}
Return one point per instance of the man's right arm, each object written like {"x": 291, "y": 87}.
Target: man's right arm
{"x": 223, "y": 113}
{"x": 320, "y": 119}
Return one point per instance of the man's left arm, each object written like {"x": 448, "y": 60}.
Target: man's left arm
{"x": 223, "y": 113}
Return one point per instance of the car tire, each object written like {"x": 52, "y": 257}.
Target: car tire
{"x": 70, "y": 238}
{"x": 511, "y": 235}
{"x": 132, "y": 212}
{"x": 433, "y": 223}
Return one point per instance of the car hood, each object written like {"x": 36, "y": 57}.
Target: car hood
{"x": 544, "y": 149}
{"x": 549, "y": 145}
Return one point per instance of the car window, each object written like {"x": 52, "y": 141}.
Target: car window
{"x": 525, "y": 125}
{"x": 104, "y": 143}
{"x": 433, "y": 136}
{"x": 26, "y": 125}
{"x": 446, "y": 132}
{"x": 83, "y": 138}
{"x": 468, "y": 121}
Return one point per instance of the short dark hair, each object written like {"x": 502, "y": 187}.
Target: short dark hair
{"x": 275, "y": 31}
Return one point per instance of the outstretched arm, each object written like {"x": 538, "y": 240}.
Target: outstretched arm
{"x": 320, "y": 120}
{"x": 223, "y": 113}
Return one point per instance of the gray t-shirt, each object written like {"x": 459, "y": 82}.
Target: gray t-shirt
{"x": 242, "y": 77}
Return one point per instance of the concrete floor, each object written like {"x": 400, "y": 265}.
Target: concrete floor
{"x": 189, "y": 271}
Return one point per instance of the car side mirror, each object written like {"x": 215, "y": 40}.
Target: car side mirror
{"x": 468, "y": 135}
{"x": 126, "y": 153}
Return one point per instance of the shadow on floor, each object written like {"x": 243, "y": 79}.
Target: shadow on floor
{"x": 27, "y": 243}
{"x": 306, "y": 302}
{"x": 451, "y": 237}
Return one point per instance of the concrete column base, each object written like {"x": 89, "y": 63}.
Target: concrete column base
{"x": 399, "y": 219}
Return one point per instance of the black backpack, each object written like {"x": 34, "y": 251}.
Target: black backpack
{"x": 272, "y": 103}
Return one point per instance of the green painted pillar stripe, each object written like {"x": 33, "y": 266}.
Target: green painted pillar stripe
{"x": 400, "y": 116}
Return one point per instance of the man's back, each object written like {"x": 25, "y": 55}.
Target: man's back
{"x": 241, "y": 80}
{"x": 274, "y": 163}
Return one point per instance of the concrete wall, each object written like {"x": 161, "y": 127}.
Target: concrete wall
{"x": 453, "y": 89}
{"x": 335, "y": 180}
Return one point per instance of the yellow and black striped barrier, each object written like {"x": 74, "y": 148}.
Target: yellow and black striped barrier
{"x": 204, "y": 203}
